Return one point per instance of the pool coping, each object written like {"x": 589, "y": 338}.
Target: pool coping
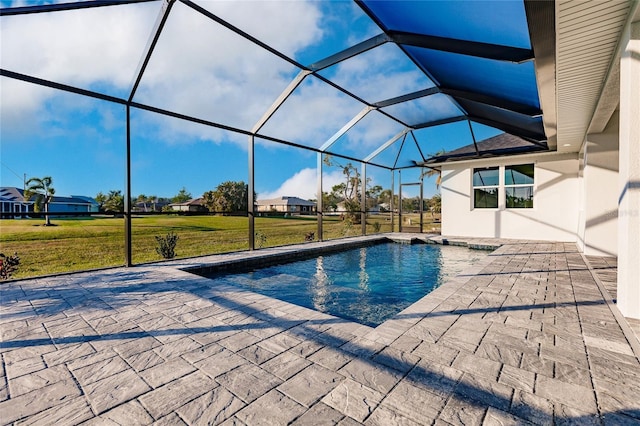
{"x": 302, "y": 252}
{"x": 385, "y": 332}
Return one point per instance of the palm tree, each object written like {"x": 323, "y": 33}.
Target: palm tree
{"x": 434, "y": 172}
{"x": 43, "y": 191}
{"x": 114, "y": 202}
{"x": 142, "y": 199}
{"x": 152, "y": 199}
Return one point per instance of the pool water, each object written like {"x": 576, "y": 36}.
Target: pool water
{"x": 367, "y": 285}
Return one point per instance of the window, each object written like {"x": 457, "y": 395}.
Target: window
{"x": 518, "y": 186}
{"x": 486, "y": 182}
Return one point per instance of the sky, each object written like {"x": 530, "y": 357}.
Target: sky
{"x": 203, "y": 70}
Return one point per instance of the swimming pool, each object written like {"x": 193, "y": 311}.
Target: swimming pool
{"x": 367, "y": 285}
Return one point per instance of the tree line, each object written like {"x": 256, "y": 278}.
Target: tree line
{"x": 232, "y": 196}
{"x": 228, "y": 197}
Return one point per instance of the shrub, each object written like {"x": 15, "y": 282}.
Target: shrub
{"x": 347, "y": 226}
{"x": 8, "y": 265}
{"x": 376, "y": 227}
{"x": 167, "y": 245}
{"x": 261, "y": 239}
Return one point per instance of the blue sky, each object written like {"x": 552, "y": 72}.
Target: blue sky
{"x": 203, "y": 70}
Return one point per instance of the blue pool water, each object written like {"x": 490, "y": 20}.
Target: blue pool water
{"x": 367, "y": 285}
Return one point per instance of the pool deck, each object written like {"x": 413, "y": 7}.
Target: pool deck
{"x": 528, "y": 335}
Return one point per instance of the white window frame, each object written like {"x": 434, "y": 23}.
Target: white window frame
{"x": 520, "y": 185}
{"x": 474, "y": 187}
{"x": 502, "y": 186}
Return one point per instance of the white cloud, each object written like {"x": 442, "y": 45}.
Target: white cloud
{"x": 199, "y": 68}
{"x": 381, "y": 73}
{"x": 97, "y": 49}
{"x": 287, "y": 26}
{"x": 81, "y": 47}
{"x": 304, "y": 184}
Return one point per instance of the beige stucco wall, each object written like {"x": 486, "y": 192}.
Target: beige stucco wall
{"x": 598, "y": 227}
{"x": 556, "y": 201}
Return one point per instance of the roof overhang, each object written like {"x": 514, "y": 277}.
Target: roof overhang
{"x": 587, "y": 67}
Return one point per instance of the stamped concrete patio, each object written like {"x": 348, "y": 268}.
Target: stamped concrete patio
{"x": 529, "y": 335}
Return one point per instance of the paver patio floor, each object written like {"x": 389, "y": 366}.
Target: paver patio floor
{"x": 525, "y": 336}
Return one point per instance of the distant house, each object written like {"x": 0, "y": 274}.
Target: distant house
{"x": 12, "y": 201}
{"x": 193, "y": 205}
{"x": 151, "y": 206}
{"x": 291, "y": 205}
{"x": 74, "y": 203}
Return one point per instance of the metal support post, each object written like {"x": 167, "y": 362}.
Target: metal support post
{"x": 363, "y": 200}
{"x": 319, "y": 203}
{"x": 250, "y": 191}
{"x": 127, "y": 195}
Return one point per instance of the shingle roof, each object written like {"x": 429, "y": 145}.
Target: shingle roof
{"x": 11, "y": 193}
{"x": 191, "y": 202}
{"x": 502, "y": 144}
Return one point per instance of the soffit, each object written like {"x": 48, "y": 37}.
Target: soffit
{"x": 610, "y": 97}
{"x": 587, "y": 35}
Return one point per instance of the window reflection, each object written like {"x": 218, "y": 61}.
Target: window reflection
{"x": 485, "y": 187}
{"x": 363, "y": 275}
{"x": 320, "y": 285}
{"x": 518, "y": 181}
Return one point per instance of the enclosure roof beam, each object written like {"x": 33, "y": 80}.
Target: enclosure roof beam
{"x": 346, "y": 128}
{"x": 120, "y": 101}
{"x": 408, "y": 97}
{"x": 151, "y": 44}
{"x": 417, "y": 145}
{"x": 60, "y": 86}
{"x": 473, "y": 136}
{"x": 61, "y": 7}
{"x": 463, "y": 47}
{"x": 241, "y": 33}
{"x": 529, "y": 136}
{"x": 280, "y": 100}
{"x": 279, "y": 54}
{"x": 386, "y": 145}
{"x": 350, "y": 52}
{"x": 493, "y": 101}
{"x": 439, "y": 122}
{"x": 240, "y": 131}
{"x": 395, "y": 162}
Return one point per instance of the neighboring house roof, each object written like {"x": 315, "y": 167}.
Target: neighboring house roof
{"x": 286, "y": 201}
{"x": 85, "y": 199}
{"x": 159, "y": 203}
{"x": 502, "y": 144}
{"x": 74, "y": 199}
{"x": 191, "y": 202}
{"x": 10, "y": 193}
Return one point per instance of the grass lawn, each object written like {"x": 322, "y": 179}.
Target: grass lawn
{"x": 75, "y": 244}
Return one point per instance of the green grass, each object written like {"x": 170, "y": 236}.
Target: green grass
{"x": 75, "y": 244}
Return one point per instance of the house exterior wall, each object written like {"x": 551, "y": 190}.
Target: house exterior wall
{"x": 553, "y": 217}
{"x": 598, "y": 226}
{"x": 285, "y": 208}
{"x": 272, "y": 208}
{"x": 57, "y": 207}
{"x": 628, "y": 188}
